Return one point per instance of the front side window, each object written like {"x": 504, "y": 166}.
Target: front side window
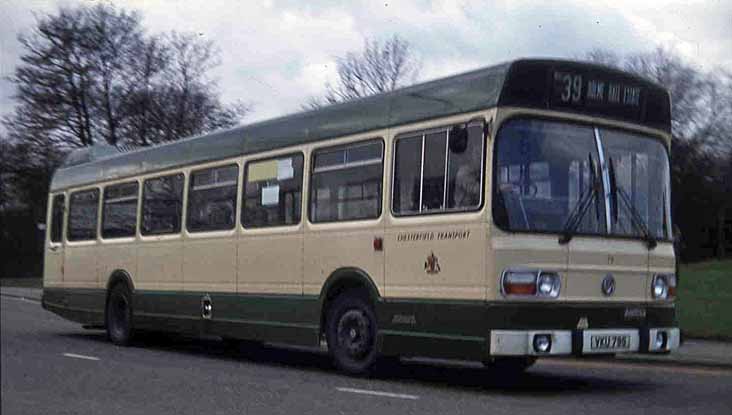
{"x": 83, "y": 213}
{"x": 212, "y": 199}
{"x": 346, "y": 182}
{"x": 162, "y": 204}
{"x": 57, "y": 217}
{"x": 439, "y": 170}
{"x": 273, "y": 192}
{"x": 119, "y": 215}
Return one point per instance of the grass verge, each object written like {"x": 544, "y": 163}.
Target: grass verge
{"x": 704, "y": 304}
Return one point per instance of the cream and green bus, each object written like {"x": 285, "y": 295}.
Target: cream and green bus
{"x": 500, "y": 215}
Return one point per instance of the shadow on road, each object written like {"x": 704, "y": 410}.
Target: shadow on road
{"x": 535, "y": 382}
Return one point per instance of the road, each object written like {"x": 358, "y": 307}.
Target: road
{"x": 51, "y": 366}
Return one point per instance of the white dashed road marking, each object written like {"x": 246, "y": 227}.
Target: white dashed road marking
{"x": 80, "y": 356}
{"x": 378, "y": 393}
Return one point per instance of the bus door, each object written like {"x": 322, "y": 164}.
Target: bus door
{"x": 436, "y": 241}
{"x": 54, "y": 265}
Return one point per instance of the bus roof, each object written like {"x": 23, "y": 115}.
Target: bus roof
{"x": 528, "y": 82}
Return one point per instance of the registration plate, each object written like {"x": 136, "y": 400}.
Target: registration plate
{"x": 610, "y": 342}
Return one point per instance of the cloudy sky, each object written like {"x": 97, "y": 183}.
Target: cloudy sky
{"x": 275, "y": 54}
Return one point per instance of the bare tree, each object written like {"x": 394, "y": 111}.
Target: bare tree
{"x": 54, "y": 81}
{"x": 90, "y": 74}
{"x": 379, "y": 67}
{"x": 701, "y": 148}
{"x": 115, "y": 38}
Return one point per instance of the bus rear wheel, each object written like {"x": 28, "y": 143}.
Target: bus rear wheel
{"x": 351, "y": 333}
{"x": 118, "y": 316}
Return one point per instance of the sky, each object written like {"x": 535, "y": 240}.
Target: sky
{"x": 277, "y": 54}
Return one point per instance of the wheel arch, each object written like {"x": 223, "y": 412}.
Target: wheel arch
{"x": 120, "y": 276}
{"x": 344, "y": 279}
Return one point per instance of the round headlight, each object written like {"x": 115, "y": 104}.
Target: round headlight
{"x": 660, "y": 287}
{"x": 548, "y": 285}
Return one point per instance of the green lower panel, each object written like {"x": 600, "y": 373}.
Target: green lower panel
{"x": 85, "y": 306}
{"x": 408, "y": 327}
{"x": 275, "y": 318}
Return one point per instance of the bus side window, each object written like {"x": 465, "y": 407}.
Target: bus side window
{"x": 439, "y": 171}
{"x": 212, "y": 199}
{"x": 162, "y": 205}
{"x": 119, "y": 212}
{"x": 272, "y": 192}
{"x": 57, "y": 217}
{"x": 83, "y": 211}
{"x": 346, "y": 182}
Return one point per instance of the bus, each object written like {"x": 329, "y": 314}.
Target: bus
{"x": 501, "y": 215}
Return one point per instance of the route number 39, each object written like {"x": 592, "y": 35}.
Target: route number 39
{"x": 571, "y": 88}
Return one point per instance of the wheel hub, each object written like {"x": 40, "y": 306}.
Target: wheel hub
{"x": 354, "y": 333}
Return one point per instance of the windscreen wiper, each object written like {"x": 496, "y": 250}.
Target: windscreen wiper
{"x": 580, "y": 209}
{"x": 635, "y": 217}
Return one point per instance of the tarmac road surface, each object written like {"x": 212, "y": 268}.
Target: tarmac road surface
{"x": 51, "y": 366}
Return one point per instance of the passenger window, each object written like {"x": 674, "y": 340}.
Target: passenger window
{"x": 119, "y": 215}
{"x": 162, "y": 203}
{"x": 273, "y": 192}
{"x": 212, "y": 199}
{"x": 439, "y": 171}
{"x": 346, "y": 182}
{"x": 83, "y": 211}
{"x": 57, "y": 217}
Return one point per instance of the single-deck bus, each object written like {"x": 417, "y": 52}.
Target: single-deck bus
{"x": 504, "y": 214}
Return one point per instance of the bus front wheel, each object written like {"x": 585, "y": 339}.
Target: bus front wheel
{"x": 351, "y": 333}
{"x": 119, "y": 315}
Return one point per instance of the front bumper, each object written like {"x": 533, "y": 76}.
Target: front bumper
{"x": 584, "y": 342}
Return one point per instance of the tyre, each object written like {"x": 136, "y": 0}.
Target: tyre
{"x": 118, "y": 316}
{"x": 351, "y": 333}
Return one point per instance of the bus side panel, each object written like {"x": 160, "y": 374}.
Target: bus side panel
{"x": 80, "y": 265}
{"x": 329, "y": 250}
{"x": 209, "y": 264}
{"x": 160, "y": 264}
{"x": 437, "y": 258}
{"x": 117, "y": 256}
{"x": 270, "y": 262}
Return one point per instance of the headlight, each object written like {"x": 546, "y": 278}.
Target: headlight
{"x": 548, "y": 284}
{"x": 530, "y": 283}
{"x": 663, "y": 286}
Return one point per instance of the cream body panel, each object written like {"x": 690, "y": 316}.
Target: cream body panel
{"x": 662, "y": 259}
{"x": 117, "y": 254}
{"x": 270, "y": 261}
{"x": 53, "y": 266}
{"x": 518, "y": 250}
{"x": 593, "y": 258}
{"x": 80, "y": 265}
{"x": 458, "y": 246}
{"x": 329, "y": 247}
{"x": 209, "y": 262}
{"x": 160, "y": 263}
